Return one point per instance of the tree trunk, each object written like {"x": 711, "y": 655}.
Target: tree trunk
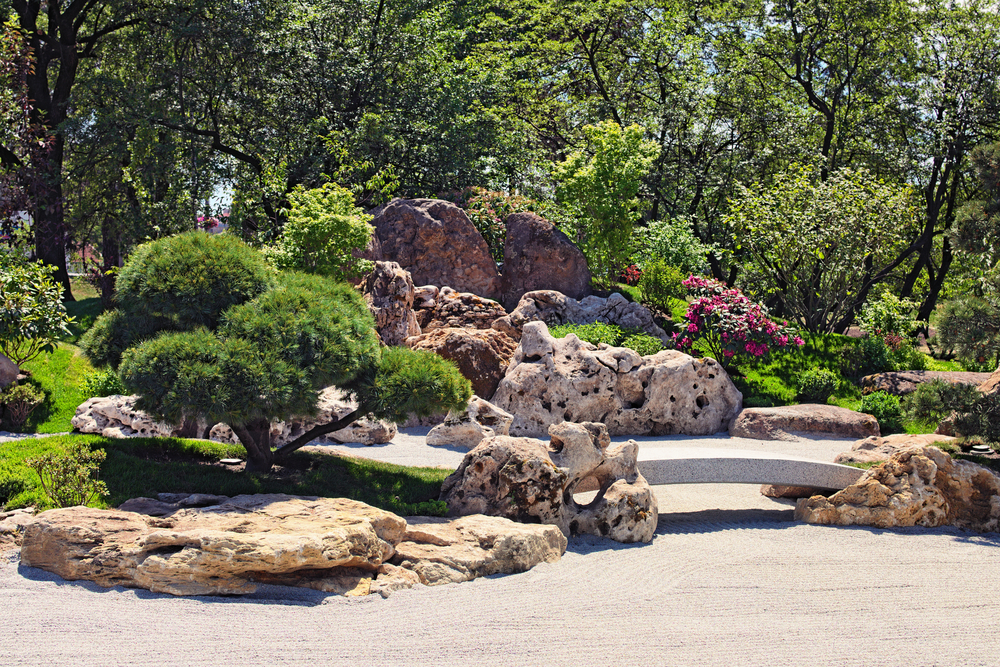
{"x": 112, "y": 260}
{"x": 255, "y": 436}
{"x": 49, "y": 227}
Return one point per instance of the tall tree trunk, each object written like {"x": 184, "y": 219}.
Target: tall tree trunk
{"x": 48, "y": 224}
{"x": 255, "y": 436}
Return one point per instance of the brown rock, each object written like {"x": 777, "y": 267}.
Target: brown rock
{"x": 901, "y": 383}
{"x": 482, "y": 355}
{"x": 917, "y": 487}
{"x": 780, "y": 422}
{"x": 991, "y": 385}
{"x": 480, "y": 420}
{"x": 435, "y": 241}
{"x": 458, "y": 310}
{"x": 389, "y": 293}
{"x": 551, "y": 380}
{"x": 537, "y": 256}
{"x": 8, "y": 371}
{"x": 531, "y": 481}
{"x": 780, "y": 491}
{"x": 869, "y": 450}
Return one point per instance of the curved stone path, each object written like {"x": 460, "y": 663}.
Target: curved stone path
{"x": 729, "y": 579}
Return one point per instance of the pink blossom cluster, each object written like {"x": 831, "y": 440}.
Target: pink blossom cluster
{"x": 731, "y": 325}
{"x": 630, "y": 274}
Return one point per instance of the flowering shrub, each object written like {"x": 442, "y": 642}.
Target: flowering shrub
{"x": 631, "y": 274}
{"x": 733, "y": 327}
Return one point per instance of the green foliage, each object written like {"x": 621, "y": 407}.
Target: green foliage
{"x": 673, "y": 243}
{"x": 660, "y": 285}
{"x": 873, "y": 354}
{"x": 982, "y": 419}
{"x": 602, "y": 185}
{"x": 935, "y": 400}
{"x": 890, "y": 315}
{"x": 970, "y": 326}
{"x": 18, "y": 401}
{"x": 816, "y": 385}
{"x": 642, "y": 343}
{"x": 323, "y": 229}
{"x": 102, "y": 383}
{"x": 14, "y": 480}
{"x": 610, "y": 334}
{"x": 32, "y": 316}
{"x": 819, "y": 245}
{"x": 886, "y": 409}
{"x": 71, "y": 478}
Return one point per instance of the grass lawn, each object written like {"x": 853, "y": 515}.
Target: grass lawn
{"x": 137, "y": 467}
{"x": 59, "y": 375}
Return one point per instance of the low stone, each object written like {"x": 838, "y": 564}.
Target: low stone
{"x": 116, "y": 417}
{"x": 552, "y": 307}
{"x": 947, "y": 425}
{"x": 537, "y": 256}
{"x": 922, "y": 486}
{"x": 781, "y": 491}
{"x": 458, "y": 310}
{"x": 481, "y": 355}
{"x": 551, "y": 380}
{"x": 901, "y": 383}
{"x": 779, "y": 423}
{"x": 12, "y": 527}
{"x": 873, "y": 449}
{"x": 532, "y": 481}
{"x": 991, "y": 385}
{"x": 8, "y": 371}
{"x": 425, "y": 296}
{"x": 389, "y": 293}
{"x": 480, "y": 419}
{"x": 436, "y": 243}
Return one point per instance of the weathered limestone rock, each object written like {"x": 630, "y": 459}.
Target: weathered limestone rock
{"x": 333, "y": 405}
{"x": 459, "y": 310}
{"x": 116, "y": 417}
{"x": 532, "y": 481}
{"x": 537, "y": 256}
{"x": 782, "y": 491}
{"x": 8, "y": 371}
{"x": 12, "y": 527}
{"x": 389, "y": 293}
{"x": 780, "y": 422}
{"x": 874, "y": 448}
{"x": 918, "y": 487}
{"x": 480, "y": 420}
{"x": 992, "y": 384}
{"x": 901, "y": 383}
{"x": 551, "y": 380}
{"x": 554, "y": 307}
{"x": 482, "y": 355}
{"x": 329, "y": 544}
{"x": 435, "y": 241}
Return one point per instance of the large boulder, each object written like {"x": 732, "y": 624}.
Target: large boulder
{"x": 874, "y": 449}
{"x": 448, "y": 309}
{"x": 480, "y": 420}
{"x": 991, "y": 385}
{"x": 388, "y": 291}
{"x": 537, "y": 256}
{"x": 435, "y": 241}
{"x": 552, "y": 380}
{"x": 552, "y": 307}
{"x": 482, "y": 355}
{"x": 901, "y": 383}
{"x": 117, "y": 417}
{"x": 783, "y": 422}
{"x": 330, "y": 544}
{"x": 922, "y": 486}
{"x": 8, "y": 371}
{"x": 533, "y": 481}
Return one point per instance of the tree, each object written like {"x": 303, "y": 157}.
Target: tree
{"x": 206, "y": 329}
{"x": 819, "y": 246}
{"x": 32, "y": 316}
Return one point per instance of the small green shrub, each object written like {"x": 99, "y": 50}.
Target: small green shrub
{"x": 660, "y": 284}
{"x": 890, "y": 315}
{"x": 12, "y": 481}
{"x": 18, "y": 401}
{"x": 642, "y": 343}
{"x": 886, "y": 409}
{"x": 595, "y": 334}
{"x": 935, "y": 400}
{"x": 32, "y": 315}
{"x": 817, "y": 385}
{"x": 102, "y": 383}
{"x": 982, "y": 419}
{"x": 70, "y": 478}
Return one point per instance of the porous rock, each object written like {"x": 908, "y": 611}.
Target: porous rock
{"x": 329, "y": 544}
{"x": 551, "y": 380}
{"x": 781, "y": 423}
{"x": 482, "y": 355}
{"x": 462, "y": 310}
{"x": 8, "y": 371}
{"x": 922, "y": 486}
{"x": 467, "y": 428}
{"x": 435, "y": 241}
{"x": 873, "y": 449}
{"x": 901, "y": 383}
{"x": 389, "y": 293}
{"x": 537, "y": 256}
{"x": 552, "y": 307}
{"x": 531, "y": 481}
{"x": 116, "y": 417}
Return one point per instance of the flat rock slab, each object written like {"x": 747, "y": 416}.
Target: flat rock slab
{"x": 703, "y": 465}
{"x": 869, "y": 450}
{"x": 901, "y": 383}
{"x": 780, "y": 423}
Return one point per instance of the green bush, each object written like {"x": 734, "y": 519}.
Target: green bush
{"x": 595, "y": 334}
{"x": 70, "y": 478}
{"x": 982, "y": 419}
{"x": 674, "y": 243}
{"x": 817, "y": 385}
{"x": 889, "y": 315}
{"x": 12, "y": 482}
{"x": 886, "y": 409}
{"x": 642, "y": 343}
{"x": 660, "y": 284}
{"x": 935, "y": 400}
{"x": 18, "y": 401}
{"x": 32, "y": 315}
{"x": 102, "y": 383}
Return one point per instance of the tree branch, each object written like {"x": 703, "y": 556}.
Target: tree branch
{"x": 317, "y": 431}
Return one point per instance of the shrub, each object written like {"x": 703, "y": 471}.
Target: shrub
{"x": 890, "y": 316}
{"x": 71, "y": 479}
{"x": 660, "y": 284}
{"x": 817, "y": 385}
{"x": 935, "y": 400}
{"x": 323, "y": 229}
{"x": 12, "y": 482}
{"x": 642, "y": 343}
{"x": 595, "y": 334}
{"x": 102, "y": 383}
{"x": 32, "y": 315}
{"x": 18, "y": 401}
{"x": 982, "y": 419}
{"x": 733, "y": 327}
{"x": 672, "y": 242}
{"x": 886, "y": 409}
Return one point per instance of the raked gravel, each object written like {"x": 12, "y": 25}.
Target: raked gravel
{"x": 730, "y": 579}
